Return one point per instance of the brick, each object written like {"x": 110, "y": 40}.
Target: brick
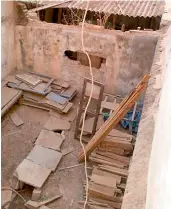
{"x": 36, "y": 194}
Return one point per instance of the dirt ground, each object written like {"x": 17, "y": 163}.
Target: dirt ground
{"x": 17, "y": 142}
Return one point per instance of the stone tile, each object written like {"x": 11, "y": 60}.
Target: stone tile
{"x": 49, "y": 139}
{"x": 57, "y": 124}
{"x": 45, "y": 157}
{"x": 32, "y": 173}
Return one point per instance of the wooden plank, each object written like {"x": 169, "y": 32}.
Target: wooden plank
{"x": 119, "y": 144}
{"x": 16, "y": 119}
{"x": 120, "y": 134}
{"x": 104, "y": 180}
{"x": 56, "y": 98}
{"x": 118, "y": 163}
{"x": 115, "y": 150}
{"x": 101, "y": 191}
{"x": 99, "y": 172}
{"x": 7, "y": 95}
{"x": 114, "y": 156}
{"x": 111, "y": 203}
{"x": 109, "y": 105}
{"x": 105, "y": 162}
{"x": 118, "y": 171}
{"x": 5, "y": 109}
{"x": 57, "y": 81}
{"x": 115, "y": 117}
{"x": 28, "y": 79}
{"x": 48, "y": 84}
{"x": 67, "y": 107}
{"x": 47, "y": 6}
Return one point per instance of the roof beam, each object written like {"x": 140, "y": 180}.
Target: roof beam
{"x": 47, "y": 6}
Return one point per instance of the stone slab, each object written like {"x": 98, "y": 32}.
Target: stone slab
{"x": 32, "y": 173}
{"x": 49, "y": 139}
{"x": 45, "y": 157}
{"x": 16, "y": 119}
{"x": 55, "y": 123}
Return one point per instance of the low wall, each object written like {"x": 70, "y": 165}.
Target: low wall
{"x": 129, "y": 55}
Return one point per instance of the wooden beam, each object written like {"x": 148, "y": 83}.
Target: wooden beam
{"x": 115, "y": 117}
{"x": 47, "y": 6}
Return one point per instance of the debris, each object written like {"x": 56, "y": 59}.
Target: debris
{"x": 67, "y": 107}
{"x": 45, "y": 157}
{"x": 12, "y": 79}
{"x": 48, "y": 84}
{"x": 6, "y": 196}
{"x": 69, "y": 93}
{"x": 42, "y": 103}
{"x": 57, "y": 81}
{"x": 73, "y": 166}
{"x": 97, "y": 95}
{"x": 70, "y": 116}
{"x": 113, "y": 142}
{"x": 16, "y": 119}
{"x": 16, "y": 183}
{"x": 41, "y": 87}
{"x": 49, "y": 139}
{"x": 130, "y": 121}
{"x": 56, "y": 98}
{"x": 118, "y": 171}
{"x": 120, "y": 134}
{"x": 9, "y": 97}
{"x": 25, "y": 87}
{"x": 32, "y": 173}
{"x": 34, "y": 205}
{"x": 88, "y": 125}
{"x": 28, "y": 79}
{"x": 44, "y": 207}
{"x": 36, "y": 194}
{"x": 115, "y": 117}
{"x": 57, "y": 124}
{"x": 67, "y": 151}
{"x": 104, "y": 180}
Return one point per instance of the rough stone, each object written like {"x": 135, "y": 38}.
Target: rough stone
{"x": 36, "y": 194}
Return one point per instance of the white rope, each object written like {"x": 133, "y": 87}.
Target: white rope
{"x": 91, "y": 93}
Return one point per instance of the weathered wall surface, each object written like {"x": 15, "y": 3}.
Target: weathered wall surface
{"x": 8, "y": 53}
{"x": 41, "y": 46}
{"x": 136, "y": 189}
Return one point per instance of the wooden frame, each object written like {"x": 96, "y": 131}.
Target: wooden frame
{"x": 83, "y": 95}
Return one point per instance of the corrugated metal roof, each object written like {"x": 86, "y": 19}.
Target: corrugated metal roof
{"x": 127, "y": 8}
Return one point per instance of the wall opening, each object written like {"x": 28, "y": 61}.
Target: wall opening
{"x": 96, "y": 61}
{"x": 69, "y": 16}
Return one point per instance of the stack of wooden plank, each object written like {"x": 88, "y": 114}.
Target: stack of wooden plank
{"x": 111, "y": 161}
{"x": 41, "y": 91}
{"x": 114, "y": 118}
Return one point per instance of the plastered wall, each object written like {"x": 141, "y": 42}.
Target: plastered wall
{"x": 8, "y": 53}
{"x": 129, "y": 55}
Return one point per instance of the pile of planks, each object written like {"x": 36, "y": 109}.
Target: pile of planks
{"x": 39, "y": 91}
{"x": 114, "y": 118}
{"x": 110, "y": 170}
